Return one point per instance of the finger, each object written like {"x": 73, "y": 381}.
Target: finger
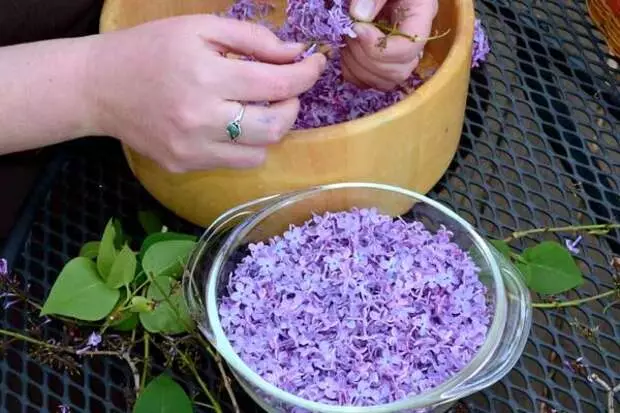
{"x": 390, "y": 72}
{"x": 351, "y": 78}
{"x": 251, "y": 39}
{"x": 366, "y": 10}
{"x": 260, "y": 125}
{"x": 417, "y": 18}
{"x": 254, "y": 81}
{"x": 390, "y": 49}
{"x": 367, "y": 77}
{"x": 208, "y": 155}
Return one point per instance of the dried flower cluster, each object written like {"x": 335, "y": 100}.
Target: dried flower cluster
{"x": 356, "y": 308}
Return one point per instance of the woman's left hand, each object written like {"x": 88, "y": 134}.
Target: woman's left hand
{"x": 367, "y": 62}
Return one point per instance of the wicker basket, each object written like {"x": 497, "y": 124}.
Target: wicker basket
{"x": 606, "y": 16}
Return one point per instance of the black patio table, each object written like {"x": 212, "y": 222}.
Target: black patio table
{"x": 540, "y": 147}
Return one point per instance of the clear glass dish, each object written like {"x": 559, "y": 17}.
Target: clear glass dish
{"x": 221, "y": 247}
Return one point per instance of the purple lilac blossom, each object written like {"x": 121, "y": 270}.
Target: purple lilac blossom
{"x": 572, "y": 245}
{"x": 4, "y": 267}
{"x": 332, "y": 100}
{"x": 93, "y": 342}
{"x": 356, "y": 308}
{"x": 481, "y": 46}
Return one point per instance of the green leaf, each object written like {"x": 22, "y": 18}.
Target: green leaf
{"x": 127, "y": 322}
{"x": 90, "y": 250}
{"x": 171, "y": 315}
{"x": 120, "y": 238}
{"x": 141, "y": 304}
{"x": 79, "y": 293}
{"x": 163, "y": 395}
{"x": 502, "y": 247}
{"x": 167, "y": 257}
{"x": 152, "y": 239}
{"x": 150, "y": 222}
{"x": 550, "y": 269}
{"x": 107, "y": 250}
{"x": 526, "y": 271}
{"x": 123, "y": 270}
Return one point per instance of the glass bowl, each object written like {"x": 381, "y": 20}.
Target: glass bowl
{"x": 222, "y": 246}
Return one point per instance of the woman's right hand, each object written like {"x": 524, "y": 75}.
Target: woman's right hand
{"x": 166, "y": 89}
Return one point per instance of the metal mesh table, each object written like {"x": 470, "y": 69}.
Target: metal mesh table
{"x": 540, "y": 147}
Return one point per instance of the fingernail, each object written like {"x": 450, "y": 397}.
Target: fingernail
{"x": 364, "y": 10}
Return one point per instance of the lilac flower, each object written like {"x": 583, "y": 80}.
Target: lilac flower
{"x": 93, "y": 342}
{"x": 358, "y": 304}
{"x": 481, "y": 46}
{"x": 4, "y": 267}
{"x": 572, "y": 245}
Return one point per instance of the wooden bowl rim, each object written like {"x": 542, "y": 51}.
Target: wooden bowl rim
{"x": 459, "y": 51}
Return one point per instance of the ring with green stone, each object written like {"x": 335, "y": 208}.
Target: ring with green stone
{"x": 234, "y": 126}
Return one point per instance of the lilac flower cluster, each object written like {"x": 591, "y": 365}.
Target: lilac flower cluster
{"x": 481, "y": 46}
{"x": 91, "y": 345}
{"x": 333, "y": 100}
{"x": 356, "y": 308}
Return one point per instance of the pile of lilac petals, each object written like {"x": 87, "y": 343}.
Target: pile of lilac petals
{"x": 356, "y": 308}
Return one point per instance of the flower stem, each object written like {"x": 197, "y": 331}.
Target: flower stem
{"x": 69, "y": 350}
{"x": 573, "y": 303}
{"x": 220, "y": 366}
{"x": 145, "y": 367}
{"x": 134, "y": 371}
{"x": 597, "y": 228}
{"x": 393, "y": 31}
{"x": 188, "y": 362}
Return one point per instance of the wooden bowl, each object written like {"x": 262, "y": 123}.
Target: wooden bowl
{"x": 409, "y": 144}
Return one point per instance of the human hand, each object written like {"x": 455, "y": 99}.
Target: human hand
{"x": 166, "y": 89}
{"x": 368, "y": 65}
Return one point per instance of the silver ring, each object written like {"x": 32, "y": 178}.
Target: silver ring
{"x": 234, "y": 126}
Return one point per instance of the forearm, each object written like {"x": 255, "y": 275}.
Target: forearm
{"x": 43, "y": 96}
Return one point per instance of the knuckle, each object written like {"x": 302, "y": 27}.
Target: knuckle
{"x": 247, "y": 160}
{"x": 262, "y": 32}
{"x": 400, "y": 76}
{"x": 282, "y": 87}
{"x": 185, "y": 120}
{"x": 172, "y": 166}
{"x": 275, "y": 133}
{"x": 179, "y": 153}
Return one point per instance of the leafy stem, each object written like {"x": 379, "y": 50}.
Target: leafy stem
{"x": 188, "y": 362}
{"x": 145, "y": 366}
{"x": 40, "y": 343}
{"x": 577, "y": 302}
{"x": 595, "y": 229}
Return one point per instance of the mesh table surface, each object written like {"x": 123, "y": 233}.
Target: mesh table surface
{"x": 540, "y": 147}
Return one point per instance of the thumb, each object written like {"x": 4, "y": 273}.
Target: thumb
{"x": 366, "y": 10}
{"x": 250, "y": 39}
